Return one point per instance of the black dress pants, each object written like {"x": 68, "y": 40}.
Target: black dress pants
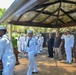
{"x": 50, "y": 52}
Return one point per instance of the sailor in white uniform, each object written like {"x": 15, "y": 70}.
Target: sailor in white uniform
{"x": 69, "y": 43}
{"x": 19, "y": 43}
{"x": 22, "y": 39}
{"x": 6, "y": 53}
{"x": 42, "y": 41}
{"x": 31, "y": 48}
{"x": 39, "y": 43}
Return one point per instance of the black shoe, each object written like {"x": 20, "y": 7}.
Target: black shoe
{"x": 35, "y": 72}
{"x": 49, "y": 56}
{"x": 60, "y": 59}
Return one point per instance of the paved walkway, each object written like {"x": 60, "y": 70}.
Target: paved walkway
{"x": 46, "y": 66}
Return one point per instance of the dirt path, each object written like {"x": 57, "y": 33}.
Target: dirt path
{"x": 46, "y": 66}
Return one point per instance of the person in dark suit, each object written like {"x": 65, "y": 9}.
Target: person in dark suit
{"x": 50, "y": 43}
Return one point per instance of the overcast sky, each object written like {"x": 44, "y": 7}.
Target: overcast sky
{"x": 5, "y": 3}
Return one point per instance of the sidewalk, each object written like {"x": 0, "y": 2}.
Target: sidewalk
{"x": 46, "y": 66}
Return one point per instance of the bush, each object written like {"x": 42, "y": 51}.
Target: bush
{"x": 14, "y": 42}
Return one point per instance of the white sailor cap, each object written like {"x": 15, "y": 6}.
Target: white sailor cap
{"x": 2, "y": 27}
{"x": 68, "y": 31}
{"x": 38, "y": 34}
{"x": 29, "y": 31}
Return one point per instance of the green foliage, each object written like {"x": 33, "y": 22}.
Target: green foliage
{"x": 1, "y": 11}
{"x": 25, "y": 31}
{"x": 14, "y": 40}
{"x": 15, "y": 35}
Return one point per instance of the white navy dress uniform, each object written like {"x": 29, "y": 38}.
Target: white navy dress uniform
{"x": 39, "y": 43}
{"x": 7, "y": 55}
{"x": 31, "y": 49}
{"x": 42, "y": 41}
{"x": 69, "y": 43}
{"x": 22, "y": 39}
{"x": 19, "y": 44}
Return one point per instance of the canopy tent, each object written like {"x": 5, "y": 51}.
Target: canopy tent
{"x": 41, "y": 13}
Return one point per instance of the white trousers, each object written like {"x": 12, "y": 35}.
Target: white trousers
{"x": 32, "y": 64}
{"x": 41, "y": 47}
{"x": 22, "y": 46}
{"x": 8, "y": 65}
{"x": 68, "y": 52}
{"x": 8, "y": 70}
{"x": 19, "y": 47}
{"x": 38, "y": 49}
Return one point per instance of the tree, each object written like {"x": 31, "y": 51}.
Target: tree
{"x": 2, "y": 11}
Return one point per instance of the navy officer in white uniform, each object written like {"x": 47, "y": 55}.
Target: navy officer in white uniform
{"x": 6, "y": 53}
{"x": 31, "y": 48}
{"x": 69, "y": 44}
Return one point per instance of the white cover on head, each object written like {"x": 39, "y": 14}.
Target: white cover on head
{"x": 2, "y": 27}
{"x": 69, "y": 31}
{"x": 38, "y": 34}
{"x": 29, "y": 31}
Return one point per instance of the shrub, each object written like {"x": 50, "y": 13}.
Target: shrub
{"x": 14, "y": 42}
